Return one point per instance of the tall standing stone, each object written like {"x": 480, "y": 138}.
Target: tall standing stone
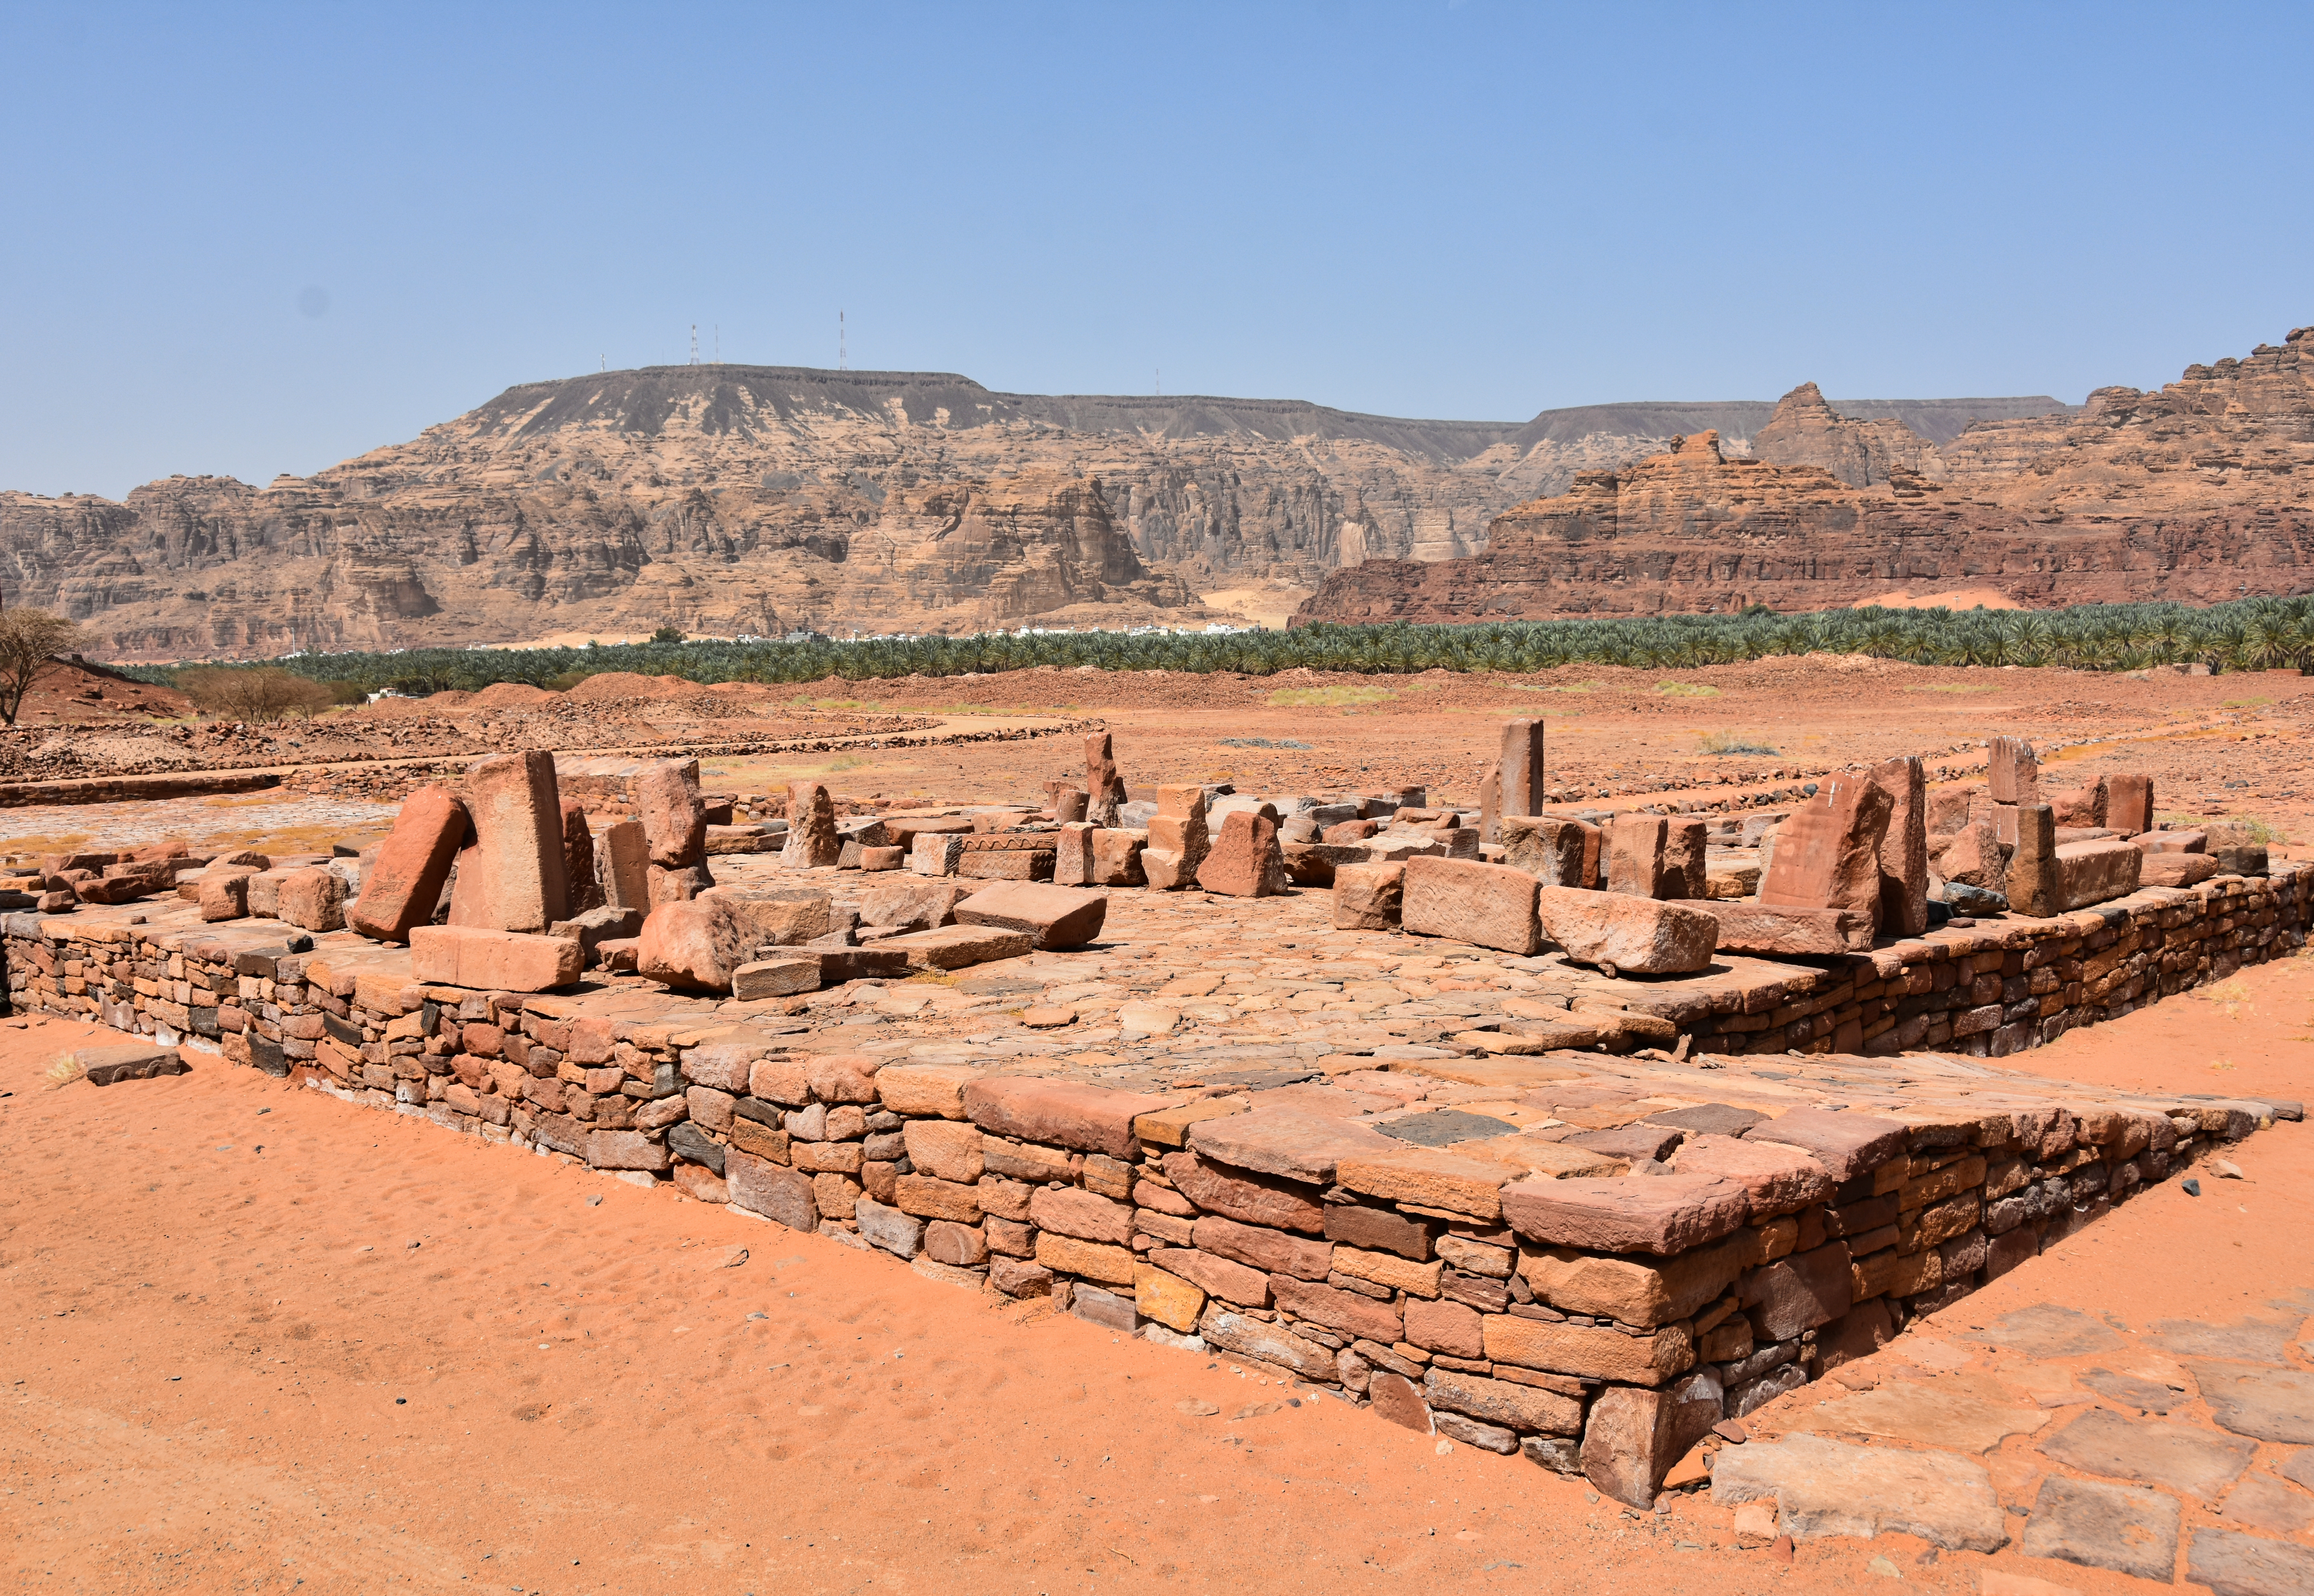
{"x": 675, "y": 826}
{"x": 510, "y": 879}
{"x": 624, "y": 866}
{"x": 1490, "y": 805}
{"x": 1685, "y": 874}
{"x": 1827, "y": 853}
{"x": 1177, "y": 838}
{"x": 812, "y": 839}
{"x": 578, "y": 858}
{"x": 2129, "y": 805}
{"x": 1904, "y": 846}
{"x": 402, "y": 889}
{"x": 2033, "y": 868}
{"x": 1102, "y": 783}
{"x": 2013, "y": 772}
{"x": 1635, "y": 853}
{"x": 1521, "y": 768}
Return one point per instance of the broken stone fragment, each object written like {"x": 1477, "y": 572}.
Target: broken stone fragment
{"x": 1054, "y": 916}
{"x": 402, "y": 889}
{"x": 510, "y": 879}
{"x": 492, "y": 960}
{"x": 1634, "y": 935}
{"x": 1490, "y": 905}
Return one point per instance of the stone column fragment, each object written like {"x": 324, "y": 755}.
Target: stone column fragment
{"x": 403, "y": 886}
{"x": 2033, "y": 868}
{"x": 2012, "y": 770}
{"x": 1521, "y": 768}
{"x": 1635, "y": 853}
{"x": 1904, "y": 847}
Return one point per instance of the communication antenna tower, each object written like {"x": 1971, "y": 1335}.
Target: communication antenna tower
{"x": 694, "y": 343}
{"x": 840, "y": 359}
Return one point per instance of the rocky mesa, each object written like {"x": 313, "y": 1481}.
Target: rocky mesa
{"x": 2200, "y": 491}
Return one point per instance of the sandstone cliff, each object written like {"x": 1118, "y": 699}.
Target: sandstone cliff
{"x": 2202, "y": 491}
{"x": 1806, "y": 431}
{"x": 756, "y": 500}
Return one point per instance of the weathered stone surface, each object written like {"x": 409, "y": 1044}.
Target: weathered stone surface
{"x": 1827, "y": 1487}
{"x": 673, "y": 818}
{"x": 224, "y": 894}
{"x": 1257, "y": 1247}
{"x": 1285, "y": 1141}
{"x": 2122, "y": 1528}
{"x": 1369, "y": 897}
{"x": 2013, "y": 772}
{"x": 511, "y": 878}
{"x": 1071, "y": 1211}
{"x": 1633, "y": 1437}
{"x": 900, "y": 1234}
{"x": 1177, "y": 838}
{"x": 2185, "y": 1458}
{"x": 2033, "y": 882}
{"x": 1595, "y": 1352}
{"x": 1244, "y": 860}
{"x": 911, "y": 905}
{"x": 492, "y": 960}
{"x": 1556, "y": 851}
{"x": 959, "y": 1246}
{"x": 1247, "y": 1195}
{"x": 1827, "y": 853}
{"x": 1664, "y": 1214}
{"x": 812, "y": 839}
{"x": 1973, "y": 856}
{"x": 1798, "y": 1293}
{"x": 1430, "y": 1178}
{"x": 625, "y": 865}
{"x": 1347, "y": 1312}
{"x": 1491, "y": 905}
{"x": 625, "y": 1150}
{"x": 1632, "y": 1291}
{"x": 773, "y": 1190}
{"x": 1766, "y": 932}
{"x": 314, "y": 900}
{"x": 1904, "y": 909}
{"x": 1167, "y": 1298}
{"x": 955, "y": 946}
{"x": 697, "y": 945}
{"x": 1519, "y": 773}
{"x": 1060, "y": 1113}
{"x": 1446, "y": 1326}
{"x": 2232, "y": 1563}
{"x": 1686, "y": 866}
{"x": 2089, "y": 873}
{"x": 402, "y": 887}
{"x": 1845, "y": 1145}
{"x": 1054, "y": 916}
{"x": 766, "y": 978}
{"x": 1072, "y": 863}
{"x": 1635, "y": 935}
{"x": 1780, "y": 1178}
{"x": 105, "y": 1064}
{"x": 578, "y": 873}
{"x": 1633, "y": 851}
{"x": 2269, "y": 1404}
{"x": 1220, "y": 1278}
{"x": 1094, "y": 1260}
{"x": 2129, "y": 804}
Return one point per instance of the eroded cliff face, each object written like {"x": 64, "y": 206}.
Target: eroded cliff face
{"x": 1804, "y": 430}
{"x": 758, "y": 500}
{"x": 2200, "y": 492}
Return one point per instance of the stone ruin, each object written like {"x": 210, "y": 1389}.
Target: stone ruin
{"x": 1635, "y": 1169}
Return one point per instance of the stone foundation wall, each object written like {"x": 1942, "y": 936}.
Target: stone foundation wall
{"x": 1396, "y": 1282}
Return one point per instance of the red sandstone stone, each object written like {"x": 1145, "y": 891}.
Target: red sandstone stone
{"x": 579, "y": 860}
{"x": 224, "y": 896}
{"x": 1556, "y": 851}
{"x": 1520, "y": 772}
{"x": 1444, "y": 1325}
{"x": 1055, "y": 916}
{"x": 1685, "y": 870}
{"x": 1633, "y": 1436}
{"x": 2176, "y": 869}
{"x": 1290, "y": 1142}
{"x": 1258, "y": 1246}
{"x": 492, "y": 960}
{"x": 1337, "y": 1309}
{"x": 1845, "y": 1145}
{"x": 2033, "y": 877}
{"x": 626, "y": 866}
{"x": 1252, "y": 1198}
{"x": 698, "y": 945}
{"x": 2089, "y": 873}
{"x": 1244, "y": 862}
{"x": 1634, "y": 849}
{"x": 1779, "y": 1177}
{"x": 1396, "y": 1398}
{"x": 1217, "y": 1277}
{"x": 1102, "y": 781}
{"x": 1060, "y": 1113}
{"x": 1657, "y": 1213}
{"x": 2129, "y": 804}
{"x": 1368, "y": 898}
{"x": 402, "y": 889}
{"x": 314, "y": 900}
{"x": 1807, "y": 933}
{"x": 1072, "y": 1211}
{"x": 510, "y": 879}
{"x": 1634, "y": 935}
{"x": 812, "y": 838}
{"x": 1827, "y": 854}
{"x": 773, "y": 1190}
{"x": 673, "y": 817}
{"x": 1904, "y": 909}
{"x": 2012, "y": 772}
{"x": 1490, "y": 905}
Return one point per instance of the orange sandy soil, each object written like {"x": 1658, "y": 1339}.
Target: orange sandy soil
{"x": 259, "y": 1340}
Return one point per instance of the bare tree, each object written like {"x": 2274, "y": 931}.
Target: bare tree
{"x": 265, "y": 693}
{"x": 30, "y": 642}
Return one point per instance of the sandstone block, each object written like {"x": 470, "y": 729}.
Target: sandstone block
{"x": 1060, "y": 1113}
{"x": 1072, "y": 854}
{"x": 1220, "y": 1278}
{"x": 955, "y": 946}
{"x": 1635, "y": 935}
{"x": 935, "y": 853}
{"x": 1346, "y": 1311}
{"x": 1519, "y": 774}
{"x": 1807, "y": 933}
{"x": 1490, "y": 905}
{"x": 314, "y": 900}
{"x": 1686, "y": 870}
{"x": 578, "y": 873}
{"x": 2176, "y": 869}
{"x": 1827, "y": 854}
{"x": 1071, "y": 1211}
{"x": 1244, "y": 862}
{"x": 759, "y": 978}
{"x": 1777, "y": 1176}
{"x": 1798, "y": 1293}
{"x": 224, "y": 894}
{"x": 1066, "y": 1255}
{"x": 2090, "y": 873}
{"x": 1635, "y": 1291}
{"x": 1446, "y": 1326}
{"x": 1518, "y": 1407}
{"x": 1257, "y": 1246}
{"x": 1399, "y": 1401}
{"x": 2013, "y": 772}
{"x": 1666, "y": 1214}
{"x": 1827, "y": 1487}
{"x": 1593, "y": 1351}
{"x": 127, "y": 1061}
{"x": 1288, "y": 1143}
{"x": 1368, "y": 898}
{"x": 511, "y": 878}
{"x": 1973, "y": 856}
{"x": 931, "y": 1198}
{"x": 1633, "y": 1437}
{"x": 1248, "y": 1197}
{"x": 2034, "y": 880}
{"x": 1069, "y": 804}
{"x": 959, "y": 1246}
{"x": 402, "y": 887}
{"x": 911, "y": 905}
{"x": 492, "y": 960}
{"x": 1270, "y": 1343}
{"x": 1167, "y": 1298}
{"x": 1103, "y": 784}
{"x": 1429, "y": 1177}
{"x": 1634, "y": 847}
{"x": 926, "y": 1089}
{"x": 624, "y": 1149}
{"x": 672, "y": 815}
{"x": 697, "y": 945}
{"x": 624, "y": 864}
{"x": 900, "y": 1234}
{"x": 1904, "y": 909}
{"x": 1555, "y": 851}
{"x": 2129, "y": 804}
{"x": 1845, "y": 1145}
{"x": 1054, "y": 916}
{"x": 773, "y": 1190}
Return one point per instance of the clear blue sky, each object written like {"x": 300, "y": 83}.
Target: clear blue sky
{"x": 246, "y": 239}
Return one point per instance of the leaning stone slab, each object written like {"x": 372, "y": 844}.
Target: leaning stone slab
{"x": 1635, "y": 1435}
{"x": 492, "y": 960}
{"x": 127, "y": 1061}
{"x": 2123, "y": 1527}
{"x": 1633, "y": 935}
{"x": 1055, "y": 916}
{"x": 1490, "y": 905}
{"x": 955, "y": 947}
{"x": 1664, "y": 1213}
{"x": 1770, "y": 932}
{"x": 1060, "y": 1113}
{"x": 402, "y": 887}
{"x": 1825, "y": 1487}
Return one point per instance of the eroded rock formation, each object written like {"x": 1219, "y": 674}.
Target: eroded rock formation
{"x": 1804, "y": 430}
{"x": 2203, "y": 491}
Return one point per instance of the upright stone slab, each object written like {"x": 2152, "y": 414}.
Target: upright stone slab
{"x": 674, "y": 817}
{"x": 1521, "y": 767}
{"x": 1491, "y": 905}
{"x": 1490, "y": 805}
{"x": 1072, "y": 854}
{"x": 2129, "y": 805}
{"x": 1069, "y": 804}
{"x": 1102, "y": 783}
{"x": 1245, "y": 861}
{"x": 623, "y": 865}
{"x": 1684, "y": 873}
{"x": 1827, "y": 854}
{"x": 1177, "y": 838}
{"x": 1557, "y": 853}
{"x": 1634, "y": 847}
{"x": 2013, "y": 772}
{"x": 579, "y": 860}
{"x": 812, "y": 839}
{"x": 405, "y": 884}
{"x": 2033, "y": 880}
{"x": 1904, "y": 846}
{"x": 510, "y": 879}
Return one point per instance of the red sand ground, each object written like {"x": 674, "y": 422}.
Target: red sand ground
{"x": 258, "y": 1340}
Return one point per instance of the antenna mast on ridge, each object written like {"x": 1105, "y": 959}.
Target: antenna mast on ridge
{"x": 694, "y": 343}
